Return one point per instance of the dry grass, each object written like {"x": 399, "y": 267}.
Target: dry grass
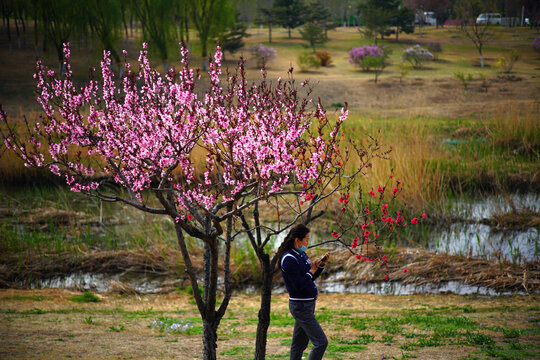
{"x": 58, "y": 330}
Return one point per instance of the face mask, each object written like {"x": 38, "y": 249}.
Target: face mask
{"x": 302, "y": 249}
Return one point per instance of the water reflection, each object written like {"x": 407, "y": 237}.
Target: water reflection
{"x": 471, "y": 238}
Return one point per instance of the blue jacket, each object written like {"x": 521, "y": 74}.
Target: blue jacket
{"x": 295, "y": 267}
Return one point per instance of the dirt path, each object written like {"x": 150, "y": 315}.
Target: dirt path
{"x": 45, "y": 324}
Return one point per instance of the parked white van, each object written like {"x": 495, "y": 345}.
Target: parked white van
{"x": 430, "y": 18}
{"x": 489, "y": 18}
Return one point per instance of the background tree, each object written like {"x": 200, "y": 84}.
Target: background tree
{"x": 289, "y": 13}
{"x": 267, "y": 18}
{"x": 319, "y": 14}
{"x": 403, "y": 21}
{"x": 441, "y": 8}
{"x": 313, "y": 34}
{"x": 211, "y": 18}
{"x": 233, "y": 39}
{"x": 377, "y": 17}
{"x": 479, "y": 34}
{"x": 104, "y": 18}
{"x": 156, "y": 20}
{"x": 58, "y": 20}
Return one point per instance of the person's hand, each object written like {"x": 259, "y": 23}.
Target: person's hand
{"x": 324, "y": 259}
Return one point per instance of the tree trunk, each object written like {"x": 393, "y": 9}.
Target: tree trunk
{"x": 270, "y": 33}
{"x": 210, "y": 338}
{"x": 289, "y": 29}
{"x": 264, "y": 311}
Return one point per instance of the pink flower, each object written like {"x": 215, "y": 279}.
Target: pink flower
{"x": 424, "y": 216}
{"x": 380, "y": 189}
{"x": 404, "y": 270}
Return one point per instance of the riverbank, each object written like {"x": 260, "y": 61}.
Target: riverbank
{"x": 161, "y": 270}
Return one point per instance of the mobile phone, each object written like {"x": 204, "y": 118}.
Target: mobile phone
{"x": 324, "y": 258}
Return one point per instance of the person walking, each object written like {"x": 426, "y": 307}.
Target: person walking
{"x": 299, "y": 274}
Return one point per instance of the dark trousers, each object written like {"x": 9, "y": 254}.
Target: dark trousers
{"x": 306, "y": 328}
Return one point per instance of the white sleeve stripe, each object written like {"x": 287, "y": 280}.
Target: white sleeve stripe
{"x": 309, "y": 274}
{"x": 283, "y": 258}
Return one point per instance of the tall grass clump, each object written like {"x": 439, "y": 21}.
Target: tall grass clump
{"x": 412, "y": 159}
{"x": 515, "y": 128}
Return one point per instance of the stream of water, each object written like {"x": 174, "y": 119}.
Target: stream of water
{"x": 467, "y": 237}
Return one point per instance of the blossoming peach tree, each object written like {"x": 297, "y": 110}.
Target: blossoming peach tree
{"x": 207, "y": 161}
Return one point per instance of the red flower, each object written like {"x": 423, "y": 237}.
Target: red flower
{"x": 414, "y": 221}
{"x": 335, "y": 234}
{"x": 386, "y": 277}
{"x": 424, "y": 216}
{"x": 341, "y": 198}
{"x": 404, "y": 270}
{"x": 190, "y": 217}
{"x": 384, "y": 257}
{"x": 394, "y": 192}
{"x": 339, "y": 163}
{"x": 371, "y": 193}
{"x": 348, "y": 195}
{"x": 380, "y": 189}
{"x": 343, "y": 208}
{"x": 391, "y": 176}
{"x": 301, "y": 202}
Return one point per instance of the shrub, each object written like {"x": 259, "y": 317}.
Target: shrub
{"x": 324, "y": 58}
{"x": 85, "y": 297}
{"x": 464, "y": 78}
{"x": 307, "y": 61}
{"x": 364, "y": 56}
{"x": 416, "y": 56}
{"x": 536, "y": 45}
{"x": 403, "y": 70}
{"x": 435, "y": 48}
{"x": 262, "y": 54}
{"x": 506, "y": 62}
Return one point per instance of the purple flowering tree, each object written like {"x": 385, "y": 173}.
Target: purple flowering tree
{"x": 262, "y": 54}
{"x": 365, "y": 57}
{"x": 416, "y": 56}
{"x": 207, "y": 162}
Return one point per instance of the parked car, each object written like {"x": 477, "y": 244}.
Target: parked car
{"x": 430, "y": 18}
{"x": 489, "y": 18}
{"x": 426, "y": 18}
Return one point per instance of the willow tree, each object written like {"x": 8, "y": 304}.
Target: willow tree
{"x": 157, "y": 22}
{"x": 210, "y": 18}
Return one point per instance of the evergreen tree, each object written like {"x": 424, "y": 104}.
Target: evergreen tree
{"x": 289, "y": 13}
{"x": 403, "y": 21}
{"x": 233, "y": 39}
{"x": 378, "y": 16}
{"x": 313, "y": 34}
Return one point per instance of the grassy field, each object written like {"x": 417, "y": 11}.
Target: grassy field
{"x": 59, "y": 324}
